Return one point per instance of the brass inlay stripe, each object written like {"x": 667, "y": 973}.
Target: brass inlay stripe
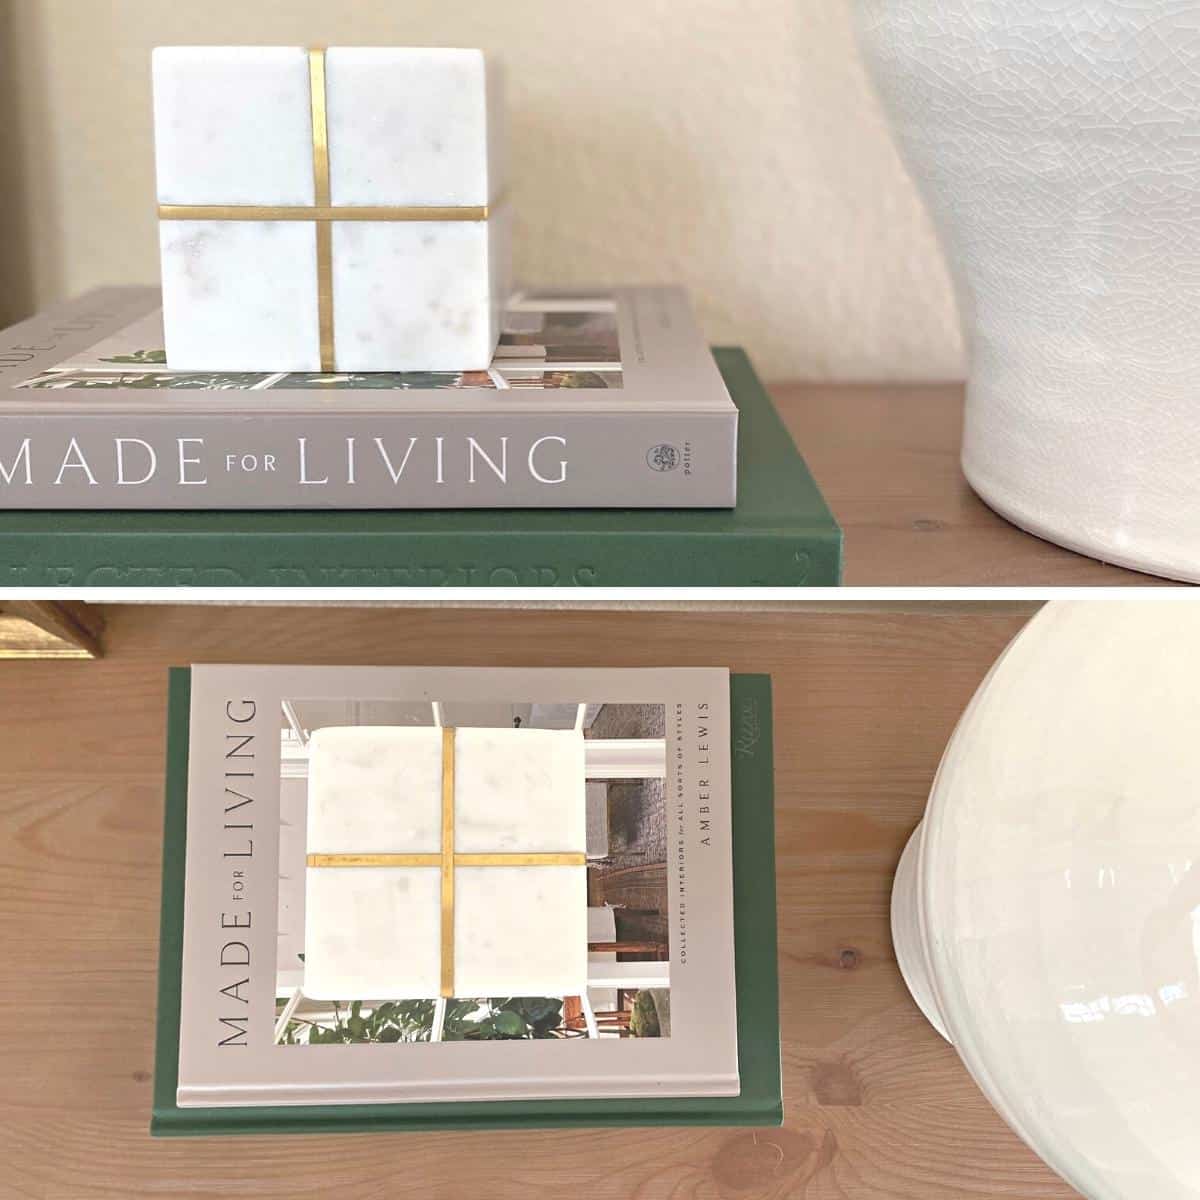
{"x": 325, "y": 294}
{"x": 320, "y": 149}
{"x": 497, "y": 859}
{"x": 448, "y": 862}
{"x": 320, "y": 127}
{"x": 520, "y": 860}
{"x": 325, "y": 212}
{"x": 374, "y": 860}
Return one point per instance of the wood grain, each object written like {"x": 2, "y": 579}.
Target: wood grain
{"x": 878, "y": 1106}
{"x": 886, "y": 459}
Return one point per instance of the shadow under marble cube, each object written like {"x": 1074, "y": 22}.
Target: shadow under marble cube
{"x": 374, "y": 932}
{"x": 406, "y": 130}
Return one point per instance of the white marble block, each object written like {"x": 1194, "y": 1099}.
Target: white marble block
{"x": 406, "y": 130}
{"x": 375, "y": 932}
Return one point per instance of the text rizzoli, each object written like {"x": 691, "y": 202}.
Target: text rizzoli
{"x": 240, "y": 777}
{"x": 190, "y": 461}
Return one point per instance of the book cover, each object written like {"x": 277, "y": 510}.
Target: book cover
{"x": 781, "y": 534}
{"x": 651, "y": 1016}
{"x": 595, "y": 399}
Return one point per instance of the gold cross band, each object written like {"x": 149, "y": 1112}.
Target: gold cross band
{"x": 323, "y": 210}
{"x": 447, "y": 860}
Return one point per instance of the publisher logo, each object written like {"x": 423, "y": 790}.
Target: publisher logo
{"x": 662, "y": 457}
{"x": 747, "y": 731}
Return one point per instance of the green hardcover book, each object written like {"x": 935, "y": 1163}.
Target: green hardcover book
{"x": 780, "y": 534}
{"x": 710, "y": 1054}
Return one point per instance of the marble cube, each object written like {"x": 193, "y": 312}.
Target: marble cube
{"x": 375, "y": 932}
{"x": 414, "y": 265}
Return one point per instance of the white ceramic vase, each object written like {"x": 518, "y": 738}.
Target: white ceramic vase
{"x": 1046, "y": 913}
{"x": 1056, "y": 144}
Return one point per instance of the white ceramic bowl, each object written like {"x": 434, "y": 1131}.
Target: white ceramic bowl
{"x": 1046, "y": 913}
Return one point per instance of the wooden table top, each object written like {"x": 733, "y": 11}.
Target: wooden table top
{"x": 886, "y": 459}
{"x": 878, "y": 1106}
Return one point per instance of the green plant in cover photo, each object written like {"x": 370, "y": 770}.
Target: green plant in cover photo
{"x": 505, "y": 1018}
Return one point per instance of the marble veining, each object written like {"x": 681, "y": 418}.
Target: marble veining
{"x": 237, "y": 293}
{"x": 445, "y": 308}
{"x": 408, "y": 126}
{"x": 232, "y": 125}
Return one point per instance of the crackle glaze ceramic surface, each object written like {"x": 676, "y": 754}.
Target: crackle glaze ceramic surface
{"x": 1047, "y": 910}
{"x": 1055, "y": 142}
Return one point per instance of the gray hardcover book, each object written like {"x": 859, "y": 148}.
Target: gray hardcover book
{"x": 476, "y": 971}
{"x": 605, "y": 399}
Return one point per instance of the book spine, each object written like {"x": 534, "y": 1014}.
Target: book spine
{"x": 174, "y": 864}
{"x": 262, "y": 554}
{"x": 361, "y": 460}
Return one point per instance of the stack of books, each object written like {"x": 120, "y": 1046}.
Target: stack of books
{"x": 604, "y": 446}
{"x": 390, "y": 900}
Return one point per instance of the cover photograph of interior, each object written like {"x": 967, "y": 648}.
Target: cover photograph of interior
{"x": 600, "y": 602}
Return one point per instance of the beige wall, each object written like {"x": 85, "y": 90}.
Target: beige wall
{"x": 732, "y": 146}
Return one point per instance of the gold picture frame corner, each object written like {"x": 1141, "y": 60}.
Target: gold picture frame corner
{"x": 46, "y": 629}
